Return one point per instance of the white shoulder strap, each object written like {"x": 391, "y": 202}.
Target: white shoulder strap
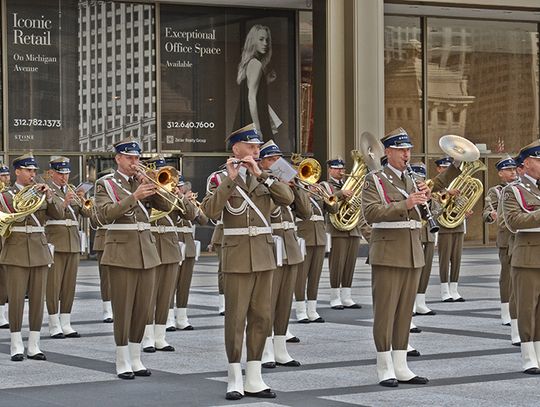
{"x": 252, "y": 204}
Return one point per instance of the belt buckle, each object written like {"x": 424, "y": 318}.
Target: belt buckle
{"x": 69, "y": 222}
{"x": 29, "y": 228}
{"x": 140, "y": 226}
{"x": 286, "y": 225}
{"x": 412, "y": 224}
{"x": 252, "y": 230}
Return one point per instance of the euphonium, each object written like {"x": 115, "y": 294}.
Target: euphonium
{"x": 25, "y": 202}
{"x": 455, "y": 207}
{"x": 349, "y": 211}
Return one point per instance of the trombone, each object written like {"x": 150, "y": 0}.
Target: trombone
{"x": 309, "y": 172}
{"x": 166, "y": 180}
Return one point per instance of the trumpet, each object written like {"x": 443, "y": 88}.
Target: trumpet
{"x": 165, "y": 179}
{"x": 83, "y": 203}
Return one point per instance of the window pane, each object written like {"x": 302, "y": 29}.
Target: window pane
{"x": 403, "y": 76}
{"x": 482, "y": 83}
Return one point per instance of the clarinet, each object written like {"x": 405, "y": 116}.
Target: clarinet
{"x": 424, "y": 208}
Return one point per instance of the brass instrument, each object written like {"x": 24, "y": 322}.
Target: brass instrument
{"x": 166, "y": 180}
{"x": 83, "y": 203}
{"x": 454, "y": 208}
{"x": 309, "y": 172}
{"x": 3, "y": 186}
{"x": 366, "y": 159}
{"x": 25, "y": 202}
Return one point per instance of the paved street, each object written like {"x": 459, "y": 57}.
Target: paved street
{"x": 466, "y": 353}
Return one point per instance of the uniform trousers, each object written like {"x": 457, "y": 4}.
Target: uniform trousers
{"x": 61, "y": 281}
{"x": 429, "y": 251}
{"x": 528, "y": 303}
{"x": 505, "y": 281}
{"x": 183, "y": 282}
{"x": 217, "y": 248}
{"x": 3, "y": 286}
{"x": 105, "y": 285}
{"x": 131, "y": 294}
{"x": 20, "y": 281}
{"x": 513, "y": 295}
{"x": 248, "y": 298}
{"x": 394, "y": 291}
{"x": 342, "y": 260}
{"x": 309, "y": 271}
{"x": 450, "y": 247}
{"x": 165, "y": 284}
{"x": 283, "y": 283}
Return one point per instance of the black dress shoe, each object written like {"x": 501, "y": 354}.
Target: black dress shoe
{"x": 170, "y": 329}
{"x": 507, "y": 324}
{"x": 294, "y": 339}
{"x": 516, "y": 343}
{"x": 338, "y": 307}
{"x": 460, "y": 299}
{"x": 126, "y": 376}
{"x": 233, "y": 395}
{"x": 431, "y": 312}
{"x": 108, "y": 320}
{"x": 532, "y": 370}
{"x": 354, "y": 306}
{"x": 37, "y": 356}
{"x": 144, "y": 372}
{"x": 73, "y": 335}
{"x": 448, "y": 300}
{"x": 319, "y": 320}
{"x": 263, "y": 394}
{"x": 223, "y": 314}
{"x": 5, "y": 326}
{"x": 389, "y": 383}
{"x": 303, "y": 321}
{"x": 187, "y": 328}
{"x": 415, "y": 330}
{"x": 19, "y": 357}
{"x": 149, "y": 349}
{"x": 415, "y": 380}
{"x": 167, "y": 348}
{"x": 58, "y": 336}
{"x": 413, "y": 353}
{"x": 269, "y": 365}
{"x": 290, "y": 363}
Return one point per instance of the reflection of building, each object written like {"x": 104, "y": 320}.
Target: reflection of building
{"x": 116, "y": 74}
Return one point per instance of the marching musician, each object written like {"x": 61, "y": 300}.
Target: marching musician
{"x": 130, "y": 253}
{"x": 186, "y": 235}
{"x": 506, "y": 169}
{"x": 284, "y": 276}
{"x": 344, "y": 244}
{"x": 521, "y": 211}
{"x": 244, "y": 200}
{"x": 64, "y": 235}
{"x": 390, "y": 205}
{"x": 163, "y": 227}
{"x": 97, "y": 224}
{"x": 4, "y": 323}
{"x": 25, "y": 256}
{"x": 449, "y": 248}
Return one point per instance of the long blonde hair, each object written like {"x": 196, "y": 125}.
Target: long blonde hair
{"x": 250, "y": 51}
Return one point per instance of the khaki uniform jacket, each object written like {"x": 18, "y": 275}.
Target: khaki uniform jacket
{"x": 99, "y": 236}
{"x": 333, "y": 187}
{"x": 314, "y": 231}
{"x": 391, "y": 247}
{"x": 301, "y": 207}
{"x": 492, "y": 204}
{"x": 188, "y": 238}
{"x": 127, "y": 248}
{"x": 527, "y": 244}
{"x": 246, "y": 254}
{"x": 66, "y": 239}
{"x": 29, "y": 249}
{"x": 215, "y": 179}
{"x": 167, "y": 243}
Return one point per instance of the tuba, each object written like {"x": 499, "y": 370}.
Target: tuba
{"x": 25, "y": 202}
{"x": 366, "y": 159}
{"x": 454, "y": 208}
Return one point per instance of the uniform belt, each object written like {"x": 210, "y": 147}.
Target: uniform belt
{"x": 530, "y": 230}
{"x": 219, "y": 222}
{"x": 409, "y": 224}
{"x": 28, "y": 229}
{"x": 64, "y": 222}
{"x": 317, "y": 218}
{"x": 184, "y": 229}
{"x": 162, "y": 229}
{"x": 249, "y": 231}
{"x": 140, "y": 226}
{"x": 285, "y": 225}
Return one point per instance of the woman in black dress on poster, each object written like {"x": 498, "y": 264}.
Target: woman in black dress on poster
{"x": 253, "y": 78}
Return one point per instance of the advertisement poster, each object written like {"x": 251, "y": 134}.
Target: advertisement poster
{"x": 42, "y": 75}
{"x": 223, "y": 68}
